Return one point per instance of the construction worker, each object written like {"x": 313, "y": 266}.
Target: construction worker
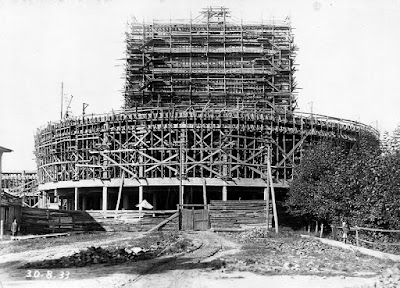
{"x": 14, "y": 229}
{"x": 346, "y": 229}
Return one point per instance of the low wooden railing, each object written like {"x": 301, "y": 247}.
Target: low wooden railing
{"x": 357, "y": 230}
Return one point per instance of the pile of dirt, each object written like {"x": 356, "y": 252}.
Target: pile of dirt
{"x": 253, "y": 235}
{"x": 95, "y": 255}
{"x": 118, "y": 254}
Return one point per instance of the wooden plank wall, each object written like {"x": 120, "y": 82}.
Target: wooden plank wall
{"x": 238, "y": 214}
{"x": 8, "y": 213}
{"x": 197, "y": 220}
{"x": 41, "y": 221}
{"x": 132, "y": 220}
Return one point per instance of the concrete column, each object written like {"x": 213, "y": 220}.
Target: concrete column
{"x": 140, "y": 195}
{"x": 154, "y": 200}
{"x": 84, "y": 201}
{"x": 76, "y": 198}
{"x": 105, "y": 198}
{"x": 44, "y": 200}
{"x": 125, "y": 201}
{"x": 39, "y": 198}
{"x": 224, "y": 193}
{"x": 266, "y": 193}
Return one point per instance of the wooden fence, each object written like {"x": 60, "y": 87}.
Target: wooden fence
{"x": 42, "y": 221}
{"x": 358, "y": 239}
{"x": 238, "y": 214}
{"x": 220, "y": 214}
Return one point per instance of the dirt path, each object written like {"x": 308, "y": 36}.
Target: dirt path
{"x": 181, "y": 271}
{"x": 197, "y": 269}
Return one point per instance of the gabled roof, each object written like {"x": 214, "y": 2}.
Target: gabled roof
{"x": 3, "y": 149}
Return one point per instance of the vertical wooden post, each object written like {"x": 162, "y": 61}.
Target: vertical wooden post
{"x": 181, "y": 195}
{"x": 193, "y": 218}
{"x": 322, "y": 230}
{"x": 105, "y": 198}
{"x": 141, "y": 167}
{"x": 204, "y": 193}
{"x": 357, "y": 243}
{"x": 316, "y": 227}
{"x": 120, "y": 191}
{"x": 178, "y": 209}
{"x": 266, "y": 198}
{"x": 62, "y": 99}
{"x": 140, "y": 196}
{"x": 181, "y": 156}
{"x": 272, "y": 191}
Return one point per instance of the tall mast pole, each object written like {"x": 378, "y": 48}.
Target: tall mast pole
{"x": 62, "y": 98}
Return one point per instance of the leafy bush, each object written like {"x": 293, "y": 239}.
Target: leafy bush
{"x": 359, "y": 184}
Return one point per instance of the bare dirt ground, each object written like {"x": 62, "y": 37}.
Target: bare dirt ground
{"x": 217, "y": 261}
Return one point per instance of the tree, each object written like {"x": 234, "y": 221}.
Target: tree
{"x": 332, "y": 182}
{"x": 311, "y": 190}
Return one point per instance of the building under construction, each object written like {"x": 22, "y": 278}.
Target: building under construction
{"x": 209, "y": 113}
{"x": 22, "y": 184}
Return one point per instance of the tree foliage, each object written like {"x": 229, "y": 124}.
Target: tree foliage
{"x": 360, "y": 184}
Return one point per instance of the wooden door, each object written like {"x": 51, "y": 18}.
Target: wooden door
{"x": 195, "y": 219}
{"x": 200, "y": 221}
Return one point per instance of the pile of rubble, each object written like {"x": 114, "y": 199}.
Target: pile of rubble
{"x": 115, "y": 255}
{"x": 96, "y": 255}
{"x": 390, "y": 278}
{"x": 269, "y": 253}
{"x": 253, "y": 234}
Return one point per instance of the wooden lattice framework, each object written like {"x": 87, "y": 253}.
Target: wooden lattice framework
{"x": 218, "y": 143}
{"x": 23, "y": 184}
{"x": 210, "y": 59}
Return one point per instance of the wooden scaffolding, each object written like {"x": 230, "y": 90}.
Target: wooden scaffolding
{"x": 204, "y": 102}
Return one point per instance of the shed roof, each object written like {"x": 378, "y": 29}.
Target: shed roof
{"x": 3, "y": 149}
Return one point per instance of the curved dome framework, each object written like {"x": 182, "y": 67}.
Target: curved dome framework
{"x": 208, "y": 102}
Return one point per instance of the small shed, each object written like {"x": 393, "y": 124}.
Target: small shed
{"x": 11, "y": 208}
{"x": 5, "y": 210}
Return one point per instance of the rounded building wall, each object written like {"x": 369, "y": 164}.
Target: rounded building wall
{"x": 191, "y": 146}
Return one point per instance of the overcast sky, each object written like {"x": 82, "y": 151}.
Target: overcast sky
{"x": 348, "y": 60}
